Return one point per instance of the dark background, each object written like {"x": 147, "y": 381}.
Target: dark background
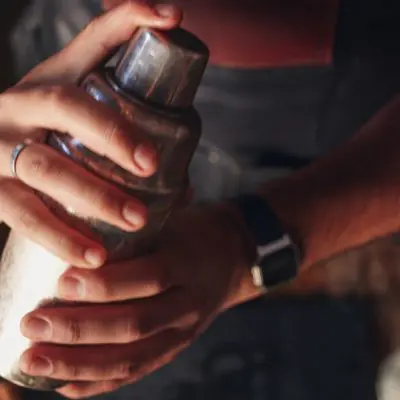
{"x": 10, "y": 10}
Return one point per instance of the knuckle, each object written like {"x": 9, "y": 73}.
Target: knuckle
{"x": 7, "y": 100}
{"x": 101, "y": 289}
{"x": 93, "y": 24}
{"x": 134, "y": 329}
{"x": 112, "y": 133}
{"x": 55, "y": 95}
{"x": 17, "y": 207}
{"x": 105, "y": 200}
{"x": 123, "y": 370}
{"x": 27, "y": 221}
{"x": 67, "y": 245}
{"x": 69, "y": 369}
{"x": 92, "y": 30}
{"x": 7, "y": 189}
{"x": 41, "y": 166}
{"x": 72, "y": 371}
{"x": 73, "y": 331}
{"x": 130, "y": 7}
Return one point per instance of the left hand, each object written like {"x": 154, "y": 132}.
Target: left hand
{"x": 142, "y": 312}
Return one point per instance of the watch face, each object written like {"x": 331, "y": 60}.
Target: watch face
{"x": 279, "y": 267}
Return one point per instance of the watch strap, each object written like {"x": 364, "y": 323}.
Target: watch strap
{"x": 278, "y": 257}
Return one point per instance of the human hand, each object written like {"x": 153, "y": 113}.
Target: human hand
{"x": 47, "y": 99}
{"x": 143, "y": 312}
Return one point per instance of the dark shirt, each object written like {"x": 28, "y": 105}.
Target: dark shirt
{"x": 259, "y": 125}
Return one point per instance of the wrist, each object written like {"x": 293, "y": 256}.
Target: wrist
{"x": 243, "y": 288}
{"x": 343, "y": 200}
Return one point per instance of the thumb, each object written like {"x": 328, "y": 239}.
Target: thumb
{"x": 100, "y": 38}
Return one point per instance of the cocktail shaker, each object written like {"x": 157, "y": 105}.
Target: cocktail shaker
{"x": 153, "y": 84}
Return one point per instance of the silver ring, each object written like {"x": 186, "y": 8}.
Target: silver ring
{"x": 17, "y": 150}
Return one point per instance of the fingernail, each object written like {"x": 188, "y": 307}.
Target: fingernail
{"x": 72, "y": 288}
{"x": 132, "y": 215}
{"x": 38, "y": 365}
{"x": 164, "y": 10}
{"x": 37, "y": 328}
{"x": 95, "y": 257}
{"x": 145, "y": 158}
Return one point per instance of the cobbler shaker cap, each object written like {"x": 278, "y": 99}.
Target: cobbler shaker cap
{"x": 163, "y": 67}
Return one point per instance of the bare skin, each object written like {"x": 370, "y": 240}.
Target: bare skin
{"x": 181, "y": 288}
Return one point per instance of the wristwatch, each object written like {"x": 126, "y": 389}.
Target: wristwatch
{"x": 277, "y": 255}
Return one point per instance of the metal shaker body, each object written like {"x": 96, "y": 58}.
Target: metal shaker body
{"x": 153, "y": 86}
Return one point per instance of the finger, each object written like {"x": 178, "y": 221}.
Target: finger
{"x": 45, "y": 170}
{"x": 21, "y": 210}
{"x": 122, "y": 323}
{"x": 85, "y": 390}
{"x": 100, "y": 38}
{"x": 134, "y": 279}
{"x": 99, "y": 363}
{"x": 69, "y": 109}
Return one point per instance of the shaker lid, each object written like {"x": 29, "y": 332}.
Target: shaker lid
{"x": 163, "y": 67}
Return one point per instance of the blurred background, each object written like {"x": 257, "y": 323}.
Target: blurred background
{"x": 10, "y": 12}
{"x": 337, "y": 358}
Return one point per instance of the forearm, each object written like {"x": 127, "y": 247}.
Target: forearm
{"x": 348, "y": 197}
{"x": 336, "y": 208}
{"x": 339, "y": 203}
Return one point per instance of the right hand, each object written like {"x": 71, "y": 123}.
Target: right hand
{"x": 48, "y": 100}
